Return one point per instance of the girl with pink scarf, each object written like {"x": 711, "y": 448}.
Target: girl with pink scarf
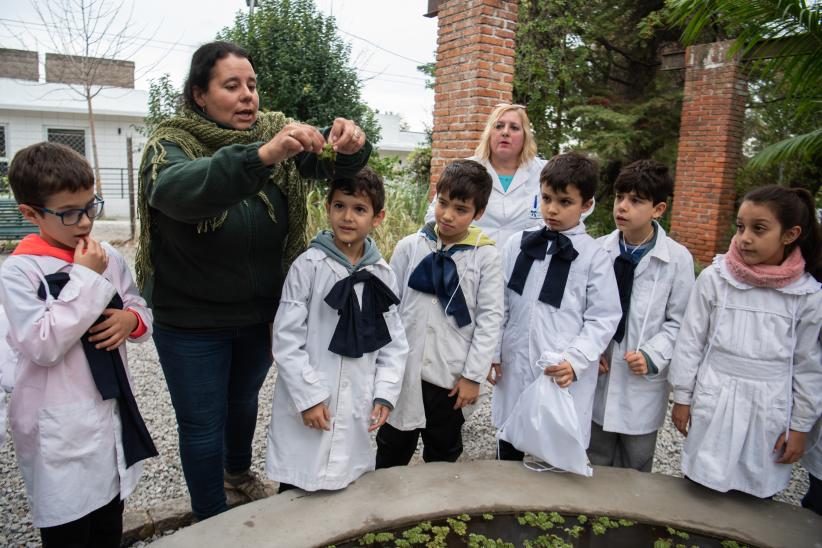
{"x": 747, "y": 368}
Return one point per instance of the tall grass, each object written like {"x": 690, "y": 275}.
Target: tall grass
{"x": 405, "y": 205}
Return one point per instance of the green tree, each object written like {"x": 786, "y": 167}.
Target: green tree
{"x": 589, "y": 73}
{"x": 303, "y": 66}
{"x": 164, "y": 101}
{"x": 783, "y": 40}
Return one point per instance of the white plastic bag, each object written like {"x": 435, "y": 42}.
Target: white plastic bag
{"x": 544, "y": 424}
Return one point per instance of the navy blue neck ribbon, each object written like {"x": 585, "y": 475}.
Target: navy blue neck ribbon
{"x": 437, "y": 274}
{"x": 360, "y": 331}
{"x": 534, "y": 246}
{"x": 109, "y": 374}
{"x": 624, "y": 267}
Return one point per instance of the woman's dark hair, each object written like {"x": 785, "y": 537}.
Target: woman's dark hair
{"x": 202, "y": 63}
{"x": 794, "y": 207}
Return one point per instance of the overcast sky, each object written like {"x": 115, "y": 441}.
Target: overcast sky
{"x": 388, "y": 38}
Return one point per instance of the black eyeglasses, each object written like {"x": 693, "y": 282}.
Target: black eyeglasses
{"x": 71, "y": 217}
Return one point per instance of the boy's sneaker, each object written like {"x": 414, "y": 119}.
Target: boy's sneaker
{"x": 249, "y": 485}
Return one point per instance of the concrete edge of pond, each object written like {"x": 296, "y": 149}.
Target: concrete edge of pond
{"x": 402, "y": 496}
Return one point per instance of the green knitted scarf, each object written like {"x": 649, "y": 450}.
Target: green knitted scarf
{"x": 199, "y": 137}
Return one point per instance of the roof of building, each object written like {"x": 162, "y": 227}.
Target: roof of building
{"x": 394, "y": 138}
{"x": 34, "y": 96}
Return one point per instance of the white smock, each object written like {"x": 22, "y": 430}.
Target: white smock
{"x": 637, "y": 404}
{"x": 66, "y": 437}
{"x": 309, "y": 373}
{"x": 748, "y": 362}
{"x": 440, "y": 351}
{"x": 578, "y": 331}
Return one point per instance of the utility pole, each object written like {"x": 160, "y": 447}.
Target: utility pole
{"x": 130, "y": 163}
{"x": 250, "y": 4}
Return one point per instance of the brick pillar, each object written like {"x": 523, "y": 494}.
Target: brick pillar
{"x": 710, "y": 150}
{"x": 475, "y": 72}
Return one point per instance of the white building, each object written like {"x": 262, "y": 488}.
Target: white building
{"x": 394, "y": 140}
{"x": 32, "y": 111}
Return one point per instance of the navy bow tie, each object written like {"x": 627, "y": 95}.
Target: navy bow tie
{"x": 360, "y": 331}
{"x": 534, "y": 246}
{"x": 437, "y": 274}
{"x": 110, "y": 377}
{"x": 624, "y": 267}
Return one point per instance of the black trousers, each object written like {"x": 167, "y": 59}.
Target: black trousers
{"x": 813, "y": 498}
{"x": 506, "y": 451}
{"x": 441, "y": 437}
{"x": 101, "y": 528}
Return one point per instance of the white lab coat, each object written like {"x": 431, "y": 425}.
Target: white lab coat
{"x": 632, "y": 404}
{"x": 511, "y": 211}
{"x": 440, "y": 351}
{"x": 579, "y": 330}
{"x": 737, "y": 348}
{"x": 66, "y": 437}
{"x": 308, "y": 373}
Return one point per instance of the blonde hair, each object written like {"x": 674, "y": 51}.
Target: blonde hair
{"x": 529, "y": 144}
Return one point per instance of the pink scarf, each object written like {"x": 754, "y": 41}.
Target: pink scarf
{"x": 762, "y": 275}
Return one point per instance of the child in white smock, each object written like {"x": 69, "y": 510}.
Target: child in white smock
{"x": 747, "y": 367}
{"x": 339, "y": 346}
{"x": 71, "y": 304}
{"x": 561, "y": 298}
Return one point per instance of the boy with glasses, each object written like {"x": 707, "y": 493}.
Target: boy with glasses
{"x": 71, "y": 304}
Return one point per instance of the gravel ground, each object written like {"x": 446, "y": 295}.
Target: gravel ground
{"x": 163, "y": 479}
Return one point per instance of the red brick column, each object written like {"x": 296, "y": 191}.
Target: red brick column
{"x": 475, "y": 72}
{"x": 710, "y": 150}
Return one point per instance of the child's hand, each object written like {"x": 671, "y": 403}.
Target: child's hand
{"x": 636, "y": 362}
{"x": 603, "y": 364}
{"x": 793, "y": 449}
{"x": 494, "y": 374}
{"x": 91, "y": 254}
{"x": 114, "y": 330}
{"x": 681, "y": 417}
{"x": 378, "y": 416}
{"x": 466, "y": 391}
{"x": 563, "y": 373}
{"x": 318, "y": 417}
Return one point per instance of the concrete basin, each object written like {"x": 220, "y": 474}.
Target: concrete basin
{"x": 402, "y": 496}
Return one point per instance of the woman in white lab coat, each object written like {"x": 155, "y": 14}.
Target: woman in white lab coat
{"x": 508, "y": 151}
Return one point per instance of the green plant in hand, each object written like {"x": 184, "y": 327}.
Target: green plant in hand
{"x": 328, "y": 153}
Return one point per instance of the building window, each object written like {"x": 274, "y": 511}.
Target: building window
{"x": 2, "y": 142}
{"x": 73, "y": 138}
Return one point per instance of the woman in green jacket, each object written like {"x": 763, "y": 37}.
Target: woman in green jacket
{"x": 223, "y": 211}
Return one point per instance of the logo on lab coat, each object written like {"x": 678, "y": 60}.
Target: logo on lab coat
{"x": 534, "y": 208}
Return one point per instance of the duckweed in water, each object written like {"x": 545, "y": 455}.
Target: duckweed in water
{"x": 536, "y": 530}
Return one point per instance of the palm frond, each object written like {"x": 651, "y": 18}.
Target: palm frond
{"x": 805, "y": 146}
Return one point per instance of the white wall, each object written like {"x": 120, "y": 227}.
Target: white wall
{"x": 24, "y": 128}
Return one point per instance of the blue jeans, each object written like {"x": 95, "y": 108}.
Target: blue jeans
{"x": 214, "y": 378}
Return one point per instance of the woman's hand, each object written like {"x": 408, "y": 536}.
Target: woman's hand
{"x": 290, "y": 141}
{"x": 346, "y": 136}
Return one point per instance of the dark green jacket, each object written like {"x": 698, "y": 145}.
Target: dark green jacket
{"x": 232, "y": 276}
